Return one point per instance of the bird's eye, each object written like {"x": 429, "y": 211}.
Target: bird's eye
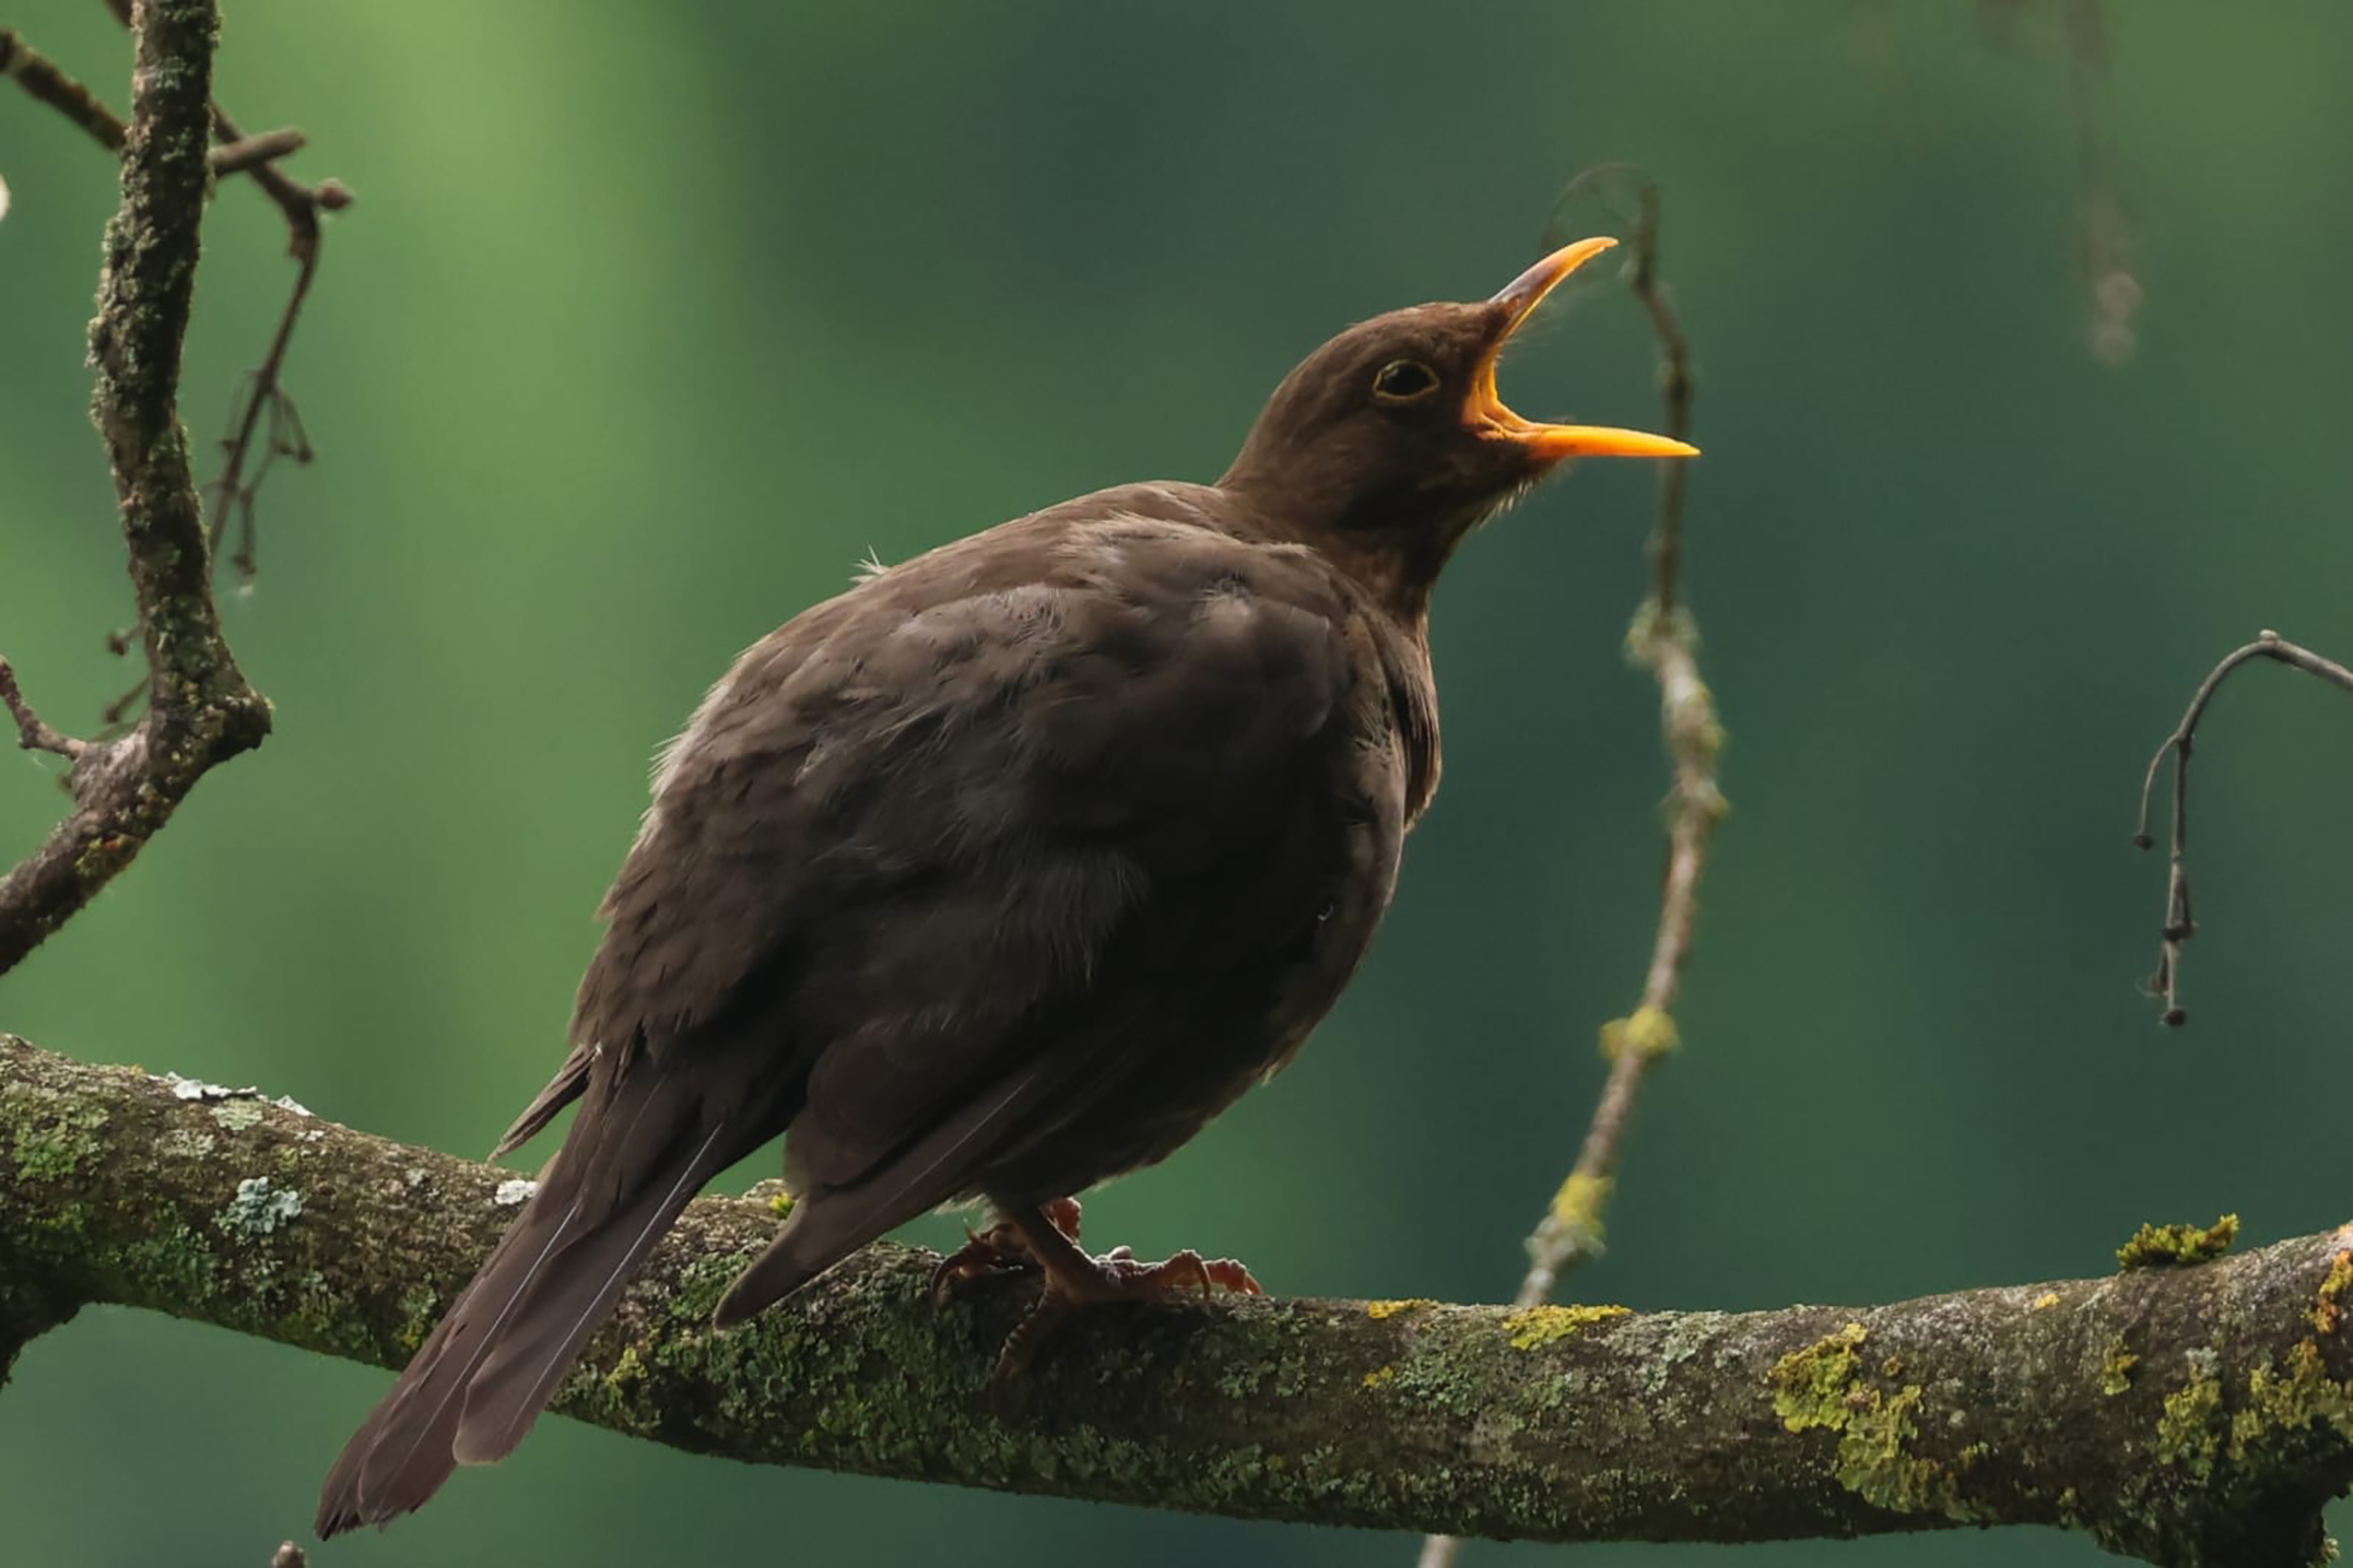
{"x": 1405, "y": 381}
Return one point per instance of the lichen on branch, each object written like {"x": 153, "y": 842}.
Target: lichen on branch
{"x": 2193, "y": 1415}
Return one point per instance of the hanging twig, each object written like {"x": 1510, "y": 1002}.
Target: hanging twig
{"x": 1663, "y": 639}
{"x": 2180, "y": 926}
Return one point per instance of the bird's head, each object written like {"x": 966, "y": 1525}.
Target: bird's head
{"x": 1390, "y": 444}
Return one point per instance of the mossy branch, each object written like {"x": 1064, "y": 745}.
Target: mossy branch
{"x": 200, "y": 709}
{"x": 2197, "y": 1415}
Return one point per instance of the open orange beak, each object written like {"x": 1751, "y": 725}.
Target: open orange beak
{"x": 1484, "y": 412}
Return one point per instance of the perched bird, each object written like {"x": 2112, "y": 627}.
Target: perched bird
{"x": 1005, "y": 872}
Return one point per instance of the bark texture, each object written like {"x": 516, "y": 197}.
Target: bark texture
{"x": 2190, "y": 1415}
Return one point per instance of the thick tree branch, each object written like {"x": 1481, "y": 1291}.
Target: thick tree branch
{"x": 2188, "y": 1416}
{"x": 201, "y": 711}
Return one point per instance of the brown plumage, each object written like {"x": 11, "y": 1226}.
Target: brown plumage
{"x": 1005, "y": 872}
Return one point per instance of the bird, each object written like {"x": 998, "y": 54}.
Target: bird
{"x": 1006, "y": 871}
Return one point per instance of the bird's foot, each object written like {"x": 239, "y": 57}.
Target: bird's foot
{"x": 999, "y": 1249}
{"x": 1046, "y": 1238}
{"x": 1119, "y": 1275}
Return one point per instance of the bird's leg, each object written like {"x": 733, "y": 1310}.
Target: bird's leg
{"x": 1075, "y": 1280}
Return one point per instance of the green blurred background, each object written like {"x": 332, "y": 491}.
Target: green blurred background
{"x": 650, "y": 319}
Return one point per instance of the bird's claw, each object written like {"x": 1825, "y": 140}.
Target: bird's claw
{"x": 1072, "y": 1279}
{"x": 1126, "y": 1278}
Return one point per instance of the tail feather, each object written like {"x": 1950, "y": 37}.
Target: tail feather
{"x": 400, "y": 1454}
{"x": 634, "y": 1160}
{"x": 569, "y": 1083}
{"x": 561, "y": 1310}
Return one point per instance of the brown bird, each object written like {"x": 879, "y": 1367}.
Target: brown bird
{"x": 1005, "y": 872}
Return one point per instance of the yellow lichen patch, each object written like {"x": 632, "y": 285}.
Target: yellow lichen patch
{"x": 2168, "y": 1247}
{"x": 2115, "y": 1368}
{"x": 2186, "y": 1432}
{"x": 1810, "y": 1385}
{"x": 2329, "y": 1310}
{"x": 1533, "y": 1326}
{"x": 1389, "y": 1309}
{"x": 2299, "y": 1396}
{"x": 1649, "y": 1031}
{"x": 2044, "y": 1302}
{"x": 1821, "y": 1387}
{"x": 1874, "y": 1463}
{"x": 1580, "y": 1201}
{"x": 1381, "y": 1379}
{"x": 629, "y": 1369}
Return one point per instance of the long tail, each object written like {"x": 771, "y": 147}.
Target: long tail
{"x": 641, "y": 1149}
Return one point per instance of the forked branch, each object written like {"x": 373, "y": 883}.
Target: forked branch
{"x": 202, "y": 710}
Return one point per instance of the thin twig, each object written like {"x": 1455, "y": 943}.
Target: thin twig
{"x": 1675, "y": 390}
{"x": 114, "y": 720}
{"x": 232, "y": 494}
{"x": 1665, "y": 639}
{"x": 2180, "y": 926}
{"x": 32, "y": 731}
{"x": 40, "y": 76}
{"x": 45, "y": 80}
{"x": 234, "y": 158}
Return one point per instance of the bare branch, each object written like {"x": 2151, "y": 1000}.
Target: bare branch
{"x": 2180, "y": 926}
{"x": 1676, "y": 386}
{"x": 38, "y": 75}
{"x": 233, "y": 157}
{"x": 1665, "y": 639}
{"x": 200, "y": 708}
{"x": 32, "y": 731}
{"x": 232, "y": 494}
